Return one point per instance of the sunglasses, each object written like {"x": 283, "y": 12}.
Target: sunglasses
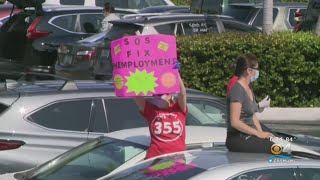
{"x": 254, "y": 68}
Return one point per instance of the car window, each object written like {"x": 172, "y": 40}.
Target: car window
{"x": 90, "y": 23}
{"x": 241, "y": 13}
{"x": 230, "y": 26}
{"x": 123, "y": 114}
{"x": 118, "y": 3}
{"x": 89, "y": 161}
{"x": 200, "y": 27}
{"x": 67, "y": 22}
{"x": 72, "y": 2}
{"x": 206, "y": 7}
{"x": 310, "y": 173}
{"x": 67, "y": 115}
{"x": 291, "y": 16}
{"x": 99, "y": 117}
{"x": 205, "y": 113}
{"x": 268, "y": 174}
{"x": 259, "y": 18}
{"x": 119, "y": 30}
{"x": 165, "y": 28}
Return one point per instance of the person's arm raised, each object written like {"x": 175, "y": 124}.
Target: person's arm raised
{"x": 141, "y": 102}
{"x": 182, "y": 96}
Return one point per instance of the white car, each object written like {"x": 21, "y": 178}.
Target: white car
{"x": 133, "y": 5}
{"x": 220, "y": 164}
{"x": 118, "y": 151}
{"x": 112, "y": 153}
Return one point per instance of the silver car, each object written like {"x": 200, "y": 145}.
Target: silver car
{"x": 43, "y": 119}
{"x": 220, "y": 164}
{"x": 111, "y": 153}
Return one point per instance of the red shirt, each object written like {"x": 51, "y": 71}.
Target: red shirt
{"x": 167, "y": 129}
{"x": 231, "y": 83}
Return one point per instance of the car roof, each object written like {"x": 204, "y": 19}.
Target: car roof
{"x": 235, "y": 168}
{"x": 194, "y": 134}
{"x": 163, "y": 8}
{"x": 76, "y": 88}
{"x": 141, "y": 20}
{"x": 209, "y": 159}
{"x": 48, "y": 8}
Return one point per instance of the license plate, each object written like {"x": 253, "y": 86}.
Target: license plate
{"x": 67, "y": 60}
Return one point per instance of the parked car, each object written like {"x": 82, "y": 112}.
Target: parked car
{"x": 69, "y": 65}
{"x": 47, "y": 118}
{"x": 120, "y": 150}
{"x": 111, "y": 153}
{"x": 32, "y": 36}
{"x": 120, "y": 5}
{"x": 252, "y": 14}
{"x": 208, "y": 164}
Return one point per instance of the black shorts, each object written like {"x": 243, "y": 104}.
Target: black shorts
{"x": 240, "y": 142}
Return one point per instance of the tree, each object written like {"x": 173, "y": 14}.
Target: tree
{"x": 267, "y": 17}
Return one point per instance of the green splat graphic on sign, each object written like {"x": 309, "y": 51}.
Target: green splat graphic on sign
{"x": 162, "y": 166}
{"x": 117, "y": 49}
{"x": 141, "y": 82}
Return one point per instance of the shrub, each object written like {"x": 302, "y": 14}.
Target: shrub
{"x": 188, "y": 2}
{"x": 289, "y": 64}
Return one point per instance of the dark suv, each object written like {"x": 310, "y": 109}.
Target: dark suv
{"x": 89, "y": 58}
{"x": 32, "y": 36}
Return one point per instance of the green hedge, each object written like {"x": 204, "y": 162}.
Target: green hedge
{"x": 289, "y": 65}
{"x": 188, "y": 2}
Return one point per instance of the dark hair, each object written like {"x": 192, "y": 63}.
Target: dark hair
{"x": 108, "y": 8}
{"x": 244, "y": 62}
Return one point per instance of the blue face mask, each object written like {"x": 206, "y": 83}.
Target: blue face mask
{"x": 255, "y": 77}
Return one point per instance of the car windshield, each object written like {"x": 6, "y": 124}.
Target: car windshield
{"x": 88, "y": 161}
{"x": 119, "y": 30}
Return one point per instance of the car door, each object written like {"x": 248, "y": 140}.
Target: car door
{"x": 267, "y": 174}
{"x": 195, "y": 27}
{"x": 113, "y": 114}
{"x": 66, "y": 125}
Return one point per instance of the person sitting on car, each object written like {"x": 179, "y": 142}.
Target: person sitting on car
{"x": 244, "y": 132}
{"x": 109, "y": 13}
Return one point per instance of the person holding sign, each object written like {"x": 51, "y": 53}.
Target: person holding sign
{"x": 166, "y": 118}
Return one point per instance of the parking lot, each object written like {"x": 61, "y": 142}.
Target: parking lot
{"x": 135, "y": 89}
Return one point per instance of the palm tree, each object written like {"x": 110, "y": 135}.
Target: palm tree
{"x": 267, "y": 17}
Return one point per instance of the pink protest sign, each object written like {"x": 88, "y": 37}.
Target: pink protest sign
{"x": 143, "y": 65}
